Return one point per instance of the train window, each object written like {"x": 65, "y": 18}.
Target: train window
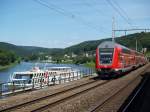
{"x": 121, "y": 58}
{"x": 126, "y": 51}
{"x": 106, "y": 55}
{"x": 106, "y": 50}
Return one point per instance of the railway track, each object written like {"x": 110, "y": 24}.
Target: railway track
{"x": 50, "y": 100}
{"x": 108, "y": 98}
{"x": 54, "y": 99}
{"x": 99, "y": 106}
{"x": 132, "y": 100}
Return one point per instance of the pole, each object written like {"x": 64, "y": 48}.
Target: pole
{"x": 41, "y": 82}
{"x": 54, "y": 79}
{"x": 33, "y": 83}
{"x": 48, "y": 80}
{"x": 69, "y": 77}
{"x": 1, "y": 89}
{"x": 13, "y": 87}
{"x": 136, "y": 44}
{"x": 24, "y": 85}
{"x": 113, "y": 29}
{"x": 125, "y": 33}
{"x": 73, "y": 75}
{"x": 59, "y": 78}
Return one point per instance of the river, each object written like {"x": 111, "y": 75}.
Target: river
{"x": 26, "y": 66}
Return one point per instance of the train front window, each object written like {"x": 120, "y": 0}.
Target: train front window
{"x": 106, "y": 55}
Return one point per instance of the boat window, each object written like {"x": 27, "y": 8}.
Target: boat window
{"x": 18, "y": 76}
{"x": 31, "y": 75}
{"x": 24, "y": 76}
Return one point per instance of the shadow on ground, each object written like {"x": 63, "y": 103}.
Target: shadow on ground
{"x": 141, "y": 101}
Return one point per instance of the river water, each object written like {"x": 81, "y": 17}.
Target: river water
{"x": 26, "y": 66}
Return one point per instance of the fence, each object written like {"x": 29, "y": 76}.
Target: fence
{"x": 16, "y": 86}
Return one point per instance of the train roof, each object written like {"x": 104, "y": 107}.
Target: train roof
{"x": 112, "y": 44}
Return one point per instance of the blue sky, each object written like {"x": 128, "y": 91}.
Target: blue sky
{"x": 67, "y": 22}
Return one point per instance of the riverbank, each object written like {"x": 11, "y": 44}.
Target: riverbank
{"x": 87, "y": 64}
{"x": 8, "y": 66}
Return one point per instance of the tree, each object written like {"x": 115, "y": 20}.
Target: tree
{"x": 7, "y": 57}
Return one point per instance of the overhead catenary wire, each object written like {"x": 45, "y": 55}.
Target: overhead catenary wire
{"x": 125, "y": 14}
{"x": 68, "y": 14}
{"x": 91, "y": 6}
{"x": 122, "y": 13}
{"x": 117, "y": 10}
{"x": 129, "y": 30}
{"x": 138, "y": 29}
{"x": 55, "y": 8}
{"x": 96, "y": 9}
{"x": 126, "y": 17}
{"x": 122, "y": 10}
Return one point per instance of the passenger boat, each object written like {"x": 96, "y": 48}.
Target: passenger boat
{"x": 46, "y": 76}
{"x": 65, "y": 72}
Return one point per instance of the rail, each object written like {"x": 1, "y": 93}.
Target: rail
{"x": 63, "y": 96}
{"x": 9, "y": 88}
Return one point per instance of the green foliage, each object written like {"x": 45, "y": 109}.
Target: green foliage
{"x": 7, "y": 57}
{"x": 25, "y": 51}
{"x": 143, "y": 41}
{"x": 57, "y": 59}
{"x": 84, "y": 47}
{"x": 148, "y": 54}
{"x": 33, "y": 57}
{"x": 33, "y": 53}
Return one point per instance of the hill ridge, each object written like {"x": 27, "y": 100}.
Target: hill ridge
{"x": 128, "y": 41}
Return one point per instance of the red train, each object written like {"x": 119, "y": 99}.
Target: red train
{"x": 115, "y": 58}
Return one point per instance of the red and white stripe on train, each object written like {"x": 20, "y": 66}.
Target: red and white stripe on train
{"x": 115, "y": 58}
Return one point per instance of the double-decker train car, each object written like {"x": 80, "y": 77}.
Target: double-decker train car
{"x": 115, "y": 58}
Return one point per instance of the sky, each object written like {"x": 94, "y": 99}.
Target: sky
{"x": 63, "y": 23}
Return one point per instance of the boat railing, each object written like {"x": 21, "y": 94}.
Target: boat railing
{"x": 17, "y": 86}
